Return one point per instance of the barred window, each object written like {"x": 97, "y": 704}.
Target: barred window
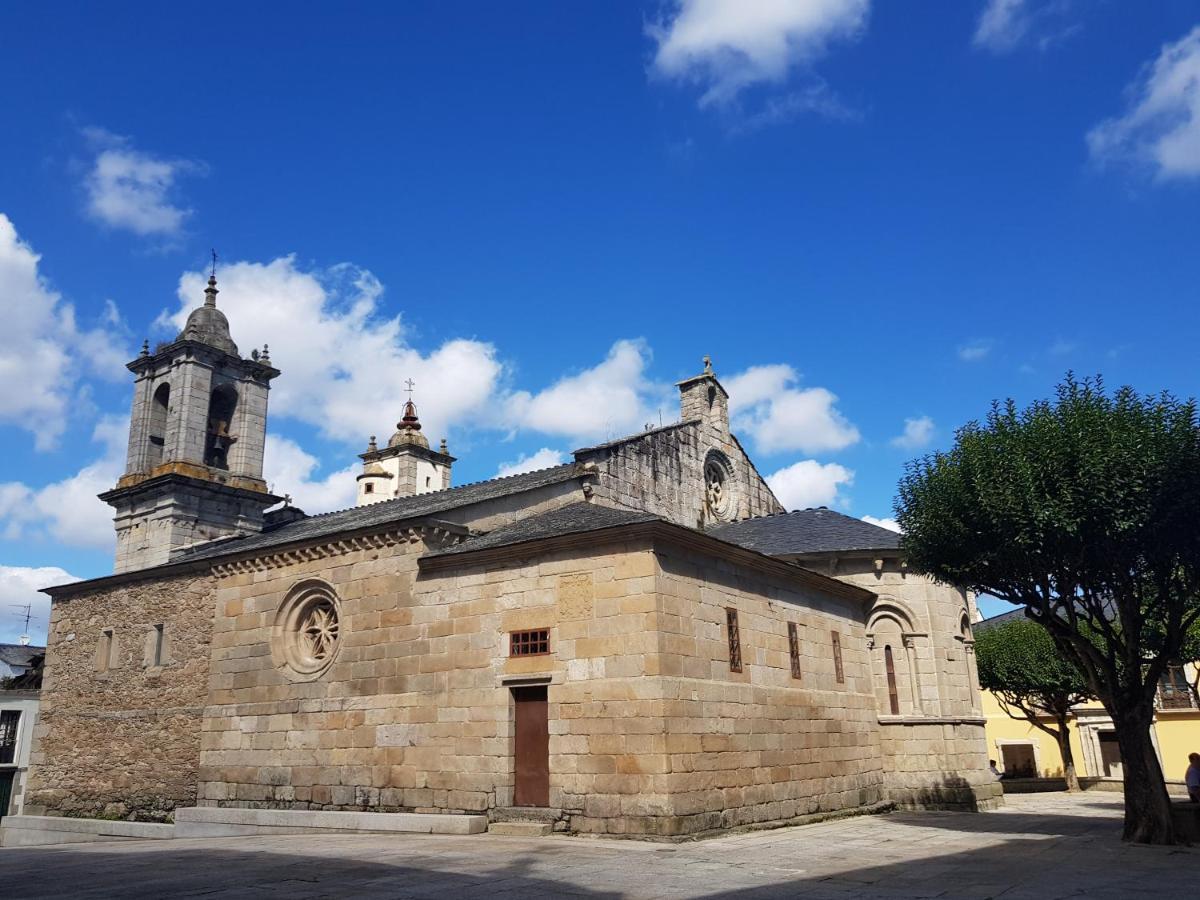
{"x": 794, "y": 648}
{"x": 9, "y": 720}
{"x": 735, "y": 640}
{"x": 838, "y": 673}
{"x": 529, "y": 643}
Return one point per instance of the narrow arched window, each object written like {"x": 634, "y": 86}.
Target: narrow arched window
{"x": 157, "y": 434}
{"x": 893, "y": 694}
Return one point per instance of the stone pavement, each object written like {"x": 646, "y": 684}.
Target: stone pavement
{"x": 1040, "y": 846}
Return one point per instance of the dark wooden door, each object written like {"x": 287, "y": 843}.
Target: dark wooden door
{"x": 532, "y": 747}
{"x": 6, "y": 783}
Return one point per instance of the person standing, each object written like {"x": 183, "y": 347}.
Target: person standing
{"x": 1193, "y": 777}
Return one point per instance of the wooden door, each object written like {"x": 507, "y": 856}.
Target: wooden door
{"x": 532, "y": 747}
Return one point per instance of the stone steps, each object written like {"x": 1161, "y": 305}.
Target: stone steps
{"x": 212, "y": 821}
{"x": 521, "y": 829}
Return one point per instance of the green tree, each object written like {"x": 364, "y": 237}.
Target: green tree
{"x": 1020, "y": 665}
{"x": 1086, "y": 511}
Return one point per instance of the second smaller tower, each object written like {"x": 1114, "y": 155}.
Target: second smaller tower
{"x": 406, "y": 466}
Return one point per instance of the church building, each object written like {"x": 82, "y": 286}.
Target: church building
{"x": 641, "y": 641}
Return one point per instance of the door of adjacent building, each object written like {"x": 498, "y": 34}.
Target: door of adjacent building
{"x": 532, "y": 747}
{"x": 1110, "y": 755}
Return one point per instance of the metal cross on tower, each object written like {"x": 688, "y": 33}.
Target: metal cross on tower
{"x": 409, "y": 385}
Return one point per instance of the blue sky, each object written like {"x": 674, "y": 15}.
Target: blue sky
{"x": 876, "y": 217}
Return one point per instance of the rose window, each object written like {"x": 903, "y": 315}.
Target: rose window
{"x": 306, "y": 632}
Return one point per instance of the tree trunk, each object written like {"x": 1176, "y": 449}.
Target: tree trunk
{"x": 1068, "y": 757}
{"x": 1147, "y": 806}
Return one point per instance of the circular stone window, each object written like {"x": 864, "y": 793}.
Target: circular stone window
{"x": 718, "y": 486}
{"x": 307, "y": 627}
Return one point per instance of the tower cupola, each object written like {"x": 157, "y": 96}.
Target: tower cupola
{"x": 406, "y": 466}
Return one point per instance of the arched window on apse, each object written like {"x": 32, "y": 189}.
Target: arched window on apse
{"x": 893, "y": 694}
{"x": 157, "y": 435}
{"x": 221, "y": 405}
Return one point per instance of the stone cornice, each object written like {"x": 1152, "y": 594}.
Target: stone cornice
{"x": 441, "y": 533}
{"x": 299, "y": 550}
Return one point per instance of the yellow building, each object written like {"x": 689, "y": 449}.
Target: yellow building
{"x": 1022, "y": 750}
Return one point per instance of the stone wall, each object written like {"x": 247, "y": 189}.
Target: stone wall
{"x": 934, "y": 750}
{"x": 761, "y": 745}
{"x": 662, "y": 471}
{"x": 413, "y": 713}
{"x": 123, "y": 742}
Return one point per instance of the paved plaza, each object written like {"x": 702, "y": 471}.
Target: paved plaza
{"x": 1040, "y": 846}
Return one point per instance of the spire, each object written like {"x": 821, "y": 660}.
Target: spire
{"x": 409, "y": 420}
{"x": 210, "y": 292}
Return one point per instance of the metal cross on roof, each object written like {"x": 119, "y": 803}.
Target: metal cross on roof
{"x": 214, "y": 264}
{"x": 410, "y": 385}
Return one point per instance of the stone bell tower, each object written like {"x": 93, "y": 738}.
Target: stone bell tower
{"x": 193, "y": 470}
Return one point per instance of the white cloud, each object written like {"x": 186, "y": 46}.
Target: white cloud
{"x": 20, "y": 585}
{"x": 974, "y": 351}
{"x": 728, "y": 45}
{"x": 288, "y": 469}
{"x": 809, "y": 483}
{"x": 129, "y": 189}
{"x": 42, "y": 349}
{"x": 1161, "y": 128}
{"x": 610, "y": 400}
{"x": 765, "y": 404}
{"x": 1002, "y": 24}
{"x": 344, "y": 363}
{"x": 68, "y": 511}
{"x": 889, "y": 523}
{"x": 918, "y": 433}
{"x": 542, "y": 459}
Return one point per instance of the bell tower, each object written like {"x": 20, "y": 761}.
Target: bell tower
{"x": 193, "y": 469}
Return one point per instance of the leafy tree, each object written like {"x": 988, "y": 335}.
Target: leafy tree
{"x": 1086, "y": 511}
{"x": 1020, "y": 665}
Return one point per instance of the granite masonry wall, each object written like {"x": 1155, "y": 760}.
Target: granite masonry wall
{"x": 761, "y": 745}
{"x": 118, "y": 736}
{"x": 934, "y": 750}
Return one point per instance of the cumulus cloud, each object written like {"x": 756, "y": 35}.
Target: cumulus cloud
{"x": 542, "y": 459}
{"x": 766, "y": 405}
{"x": 129, "y": 189}
{"x": 344, "y": 362}
{"x": 42, "y": 348}
{"x": 68, "y": 511}
{"x": 610, "y": 400}
{"x": 21, "y": 585}
{"x": 889, "y": 523}
{"x": 974, "y": 351}
{"x": 289, "y": 469}
{"x": 918, "y": 434}
{"x": 1160, "y": 130}
{"x": 809, "y": 483}
{"x": 725, "y": 46}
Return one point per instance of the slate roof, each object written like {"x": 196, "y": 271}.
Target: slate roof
{"x": 20, "y": 656}
{"x": 806, "y": 531}
{"x": 628, "y": 439}
{"x": 388, "y": 511}
{"x": 577, "y": 518}
{"x": 1013, "y": 615}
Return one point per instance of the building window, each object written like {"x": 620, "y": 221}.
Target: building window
{"x": 794, "y": 648}
{"x": 9, "y": 720}
{"x": 368, "y": 488}
{"x": 157, "y": 644}
{"x": 529, "y": 643}
{"x": 307, "y": 631}
{"x": 735, "y": 640}
{"x": 104, "y": 652}
{"x": 893, "y": 694}
{"x": 838, "y": 673}
{"x": 1174, "y": 692}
